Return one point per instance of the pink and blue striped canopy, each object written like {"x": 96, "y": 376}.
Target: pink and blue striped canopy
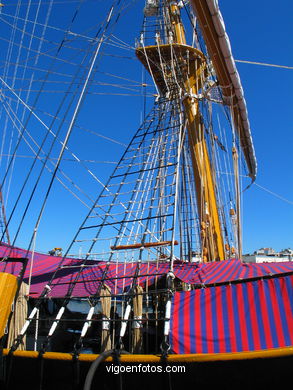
{"x": 61, "y": 273}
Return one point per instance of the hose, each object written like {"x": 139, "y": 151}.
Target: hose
{"x": 95, "y": 364}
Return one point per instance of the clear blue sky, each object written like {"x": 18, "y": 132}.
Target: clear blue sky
{"x": 259, "y": 31}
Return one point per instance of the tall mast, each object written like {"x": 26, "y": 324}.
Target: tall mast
{"x": 185, "y": 79}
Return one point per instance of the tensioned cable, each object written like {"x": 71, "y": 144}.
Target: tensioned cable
{"x": 66, "y": 177}
{"x": 51, "y": 170}
{"x": 64, "y": 159}
{"x": 69, "y": 32}
{"x": 31, "y": 112}
{"x": 123, "y": 43}
{"x": 151, "y": 153}
{"x": 85, "y": 129}
{"x": 215, "y": 163}
{"x": 136, "y": 83}
{"x": 50, "y": 131}
{"x": 74, "y": 240}
{"x": 264, "y": 64}
{"x": 15, "y": 70}
{"x": 48, "y": 26}
{"x": 274, "y": 194}
{"x": 94, "y": 83}
{"x": 23, "y": 31}
{"x": 37, "y": 155}
{"x": 220, "y": 162}
{"x": 44, "y": 54}
{"x": 107, "y": 213}
{"x": 74, "y": 35}
{"x": 77, "y": 160}
{"x": 47, "y": 2}
{"x": 123, "y": 78}
{"x": 103, "y": 34}
{"x": 71, "y": 125}
{"x": 73, "y": 155}
{"x": 90, "y": 93}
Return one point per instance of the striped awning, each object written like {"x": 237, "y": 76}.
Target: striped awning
{"x": 244, "y": 316}
{"x": 228, "y": 270}
{"x": 86, "y": 275}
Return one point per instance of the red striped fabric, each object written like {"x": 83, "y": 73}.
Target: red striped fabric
{"x": 239, "y": 317}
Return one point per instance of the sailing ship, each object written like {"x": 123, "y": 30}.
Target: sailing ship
{"x": 153, "y": 276}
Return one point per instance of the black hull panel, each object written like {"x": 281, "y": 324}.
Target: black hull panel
{"x": 25, "y": 372}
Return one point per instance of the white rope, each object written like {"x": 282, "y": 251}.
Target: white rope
{"x": 49, "y": 169}
{"x": 64, "y": 159}
{"x": 5, "y": 72}
{"x": 227, "y": 183}
{"x": 32, "y": 261}
{"x": 46, "y": 24}
{"x": 161, "y": 63}
{"x": 274, "y": 194}
{"x": 37, "y": 53}
{"x": 181, "y": 138}
{"x": 264, "y": 64}
{"x": 123, "y": 78}
{"x": 65, "y": 121}
{"x": 64, "y": 143}
{"x": 156, "y": 186}
{"x": 127, "y": 45}
{"x": 143, "y": 199}
{"x": 149, "y": 67}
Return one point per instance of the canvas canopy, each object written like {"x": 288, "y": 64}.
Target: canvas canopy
{"x": 86, "y": 276}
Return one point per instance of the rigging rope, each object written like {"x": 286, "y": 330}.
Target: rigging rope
{"x": 50, "y": 170}
{"x": 274, "y": 194}
{"x": 37, "y": 155}
{"x": 72, "y": 122}
{"x": 74, "y": 156}
{"x": 264, "y": 64}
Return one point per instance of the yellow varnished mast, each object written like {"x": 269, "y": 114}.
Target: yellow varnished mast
{"x": 211, "y": 234}
{"x": 193, "y": 73}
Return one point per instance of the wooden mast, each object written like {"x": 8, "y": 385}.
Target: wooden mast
{"x": 211, "y": 234}
{"x": 193, "y": 72}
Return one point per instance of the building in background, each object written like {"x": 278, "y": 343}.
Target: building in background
{"x": 267, "y": 255}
